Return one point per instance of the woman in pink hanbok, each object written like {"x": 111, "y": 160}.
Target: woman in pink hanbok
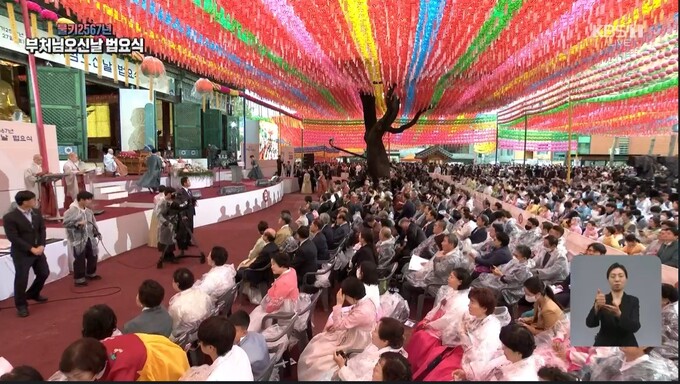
{"x": 283, "y": 294}
{"x": 470, "y": 340}
{"x": 342, "y": 332}
{"x": 449, "y": 308}
{"x": 516, "y": 363}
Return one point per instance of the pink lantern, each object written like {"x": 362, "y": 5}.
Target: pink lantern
{"x": 153, "y": 69}
{"x": 203, "y": 88}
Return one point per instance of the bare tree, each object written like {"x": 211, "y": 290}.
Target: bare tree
{"x": 376, "y": 154}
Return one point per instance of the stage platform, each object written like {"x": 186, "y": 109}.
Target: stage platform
{"x": 125, "y": 223}
{"x": 121, "y": 187}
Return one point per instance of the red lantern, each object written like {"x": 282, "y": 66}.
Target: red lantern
{"x": 203, "y": 88}
{"x": 153, "y": 69}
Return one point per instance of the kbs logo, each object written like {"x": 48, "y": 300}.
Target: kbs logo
{"x": 619, "y": 31}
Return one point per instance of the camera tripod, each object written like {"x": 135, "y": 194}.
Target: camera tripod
{"x": 200, "y": 256}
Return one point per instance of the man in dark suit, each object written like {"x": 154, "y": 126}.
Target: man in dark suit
{"x": 340, "y": 230}
{"x": 184, "y": 195}
{"x": 304, "y": 260}
{"x": 412, "y": 236}
{"x": 279, "y": 166}
{"x": 319, "y": 240}
{"x": 25, "y": 229}
{"x": 326, "y": 205}
{"x": 262, "y": 260}
{"x": 409, "y": 208}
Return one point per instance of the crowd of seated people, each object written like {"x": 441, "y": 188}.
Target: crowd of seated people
{"x": 500, "y": 290}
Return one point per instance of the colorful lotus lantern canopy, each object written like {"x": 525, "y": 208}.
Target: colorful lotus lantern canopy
{"x": 152, "y": 68}
{"x": 203, "y": 88}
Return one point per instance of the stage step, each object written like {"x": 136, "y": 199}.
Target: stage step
{"x": 112, "y": 196}
{"x": 109, "y": 189}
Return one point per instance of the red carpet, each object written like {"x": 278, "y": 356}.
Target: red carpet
{"x": 39, "y": 339}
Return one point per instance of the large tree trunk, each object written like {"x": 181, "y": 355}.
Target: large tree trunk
{"x": 376, "y": 154}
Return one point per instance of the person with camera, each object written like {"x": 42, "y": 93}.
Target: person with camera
{"x": 184, "y": 196}
{"x": 168, "y": 220}
{"x": 82, "y": 234}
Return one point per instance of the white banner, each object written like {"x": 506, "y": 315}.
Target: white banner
{"x": 164, "y": 85}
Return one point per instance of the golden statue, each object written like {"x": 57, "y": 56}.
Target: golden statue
{"x": 8, "y": 105}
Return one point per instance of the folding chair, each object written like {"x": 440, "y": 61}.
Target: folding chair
{"x": 430, "y": 292}
{"x": 274, "y": 357}
{"x": 188, "y": 341}
{"x": 225, "y": 302}
{"x": 306, "y": 287}
{"x": 384, "y": 282}
{"x": 291, "y": 318}
{"x": 262, "y": 286}
{"x": 305, "y": 336}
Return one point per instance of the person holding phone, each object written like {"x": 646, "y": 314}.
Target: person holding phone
{"x": 616, "y": 313}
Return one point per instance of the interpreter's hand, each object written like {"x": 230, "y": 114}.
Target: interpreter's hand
{"x": 340, "y": 298}
{"x": 614, "y": 309}
{"x": 496, "y": 271}
{"x": 41, "y": 249}
{"x": 339, "y": 359}
{"x": 36, "y": 251}
{"x": 599, "y": 299}
{"x": 458, "y": 375}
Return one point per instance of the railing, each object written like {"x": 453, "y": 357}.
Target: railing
{"x": 576, "y": 244}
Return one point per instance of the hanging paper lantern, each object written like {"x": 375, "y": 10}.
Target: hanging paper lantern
{"x": 34, "y": 9}
{"x": 203, "y": 88}
{"x": 50, "y": 17}
{"x": 153, "y": 69}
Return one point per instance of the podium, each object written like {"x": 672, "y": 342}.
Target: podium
{"x": 48, "y": 195}
{"x": 236, "y": 174}
{"x": 82, "y": 179}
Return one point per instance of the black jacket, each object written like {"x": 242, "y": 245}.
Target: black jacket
{"x": 414, "y": 236}
{"x": 365, "y": 253}
{"x": 478, "y": 235}
{"x": 304, "y": 261}
{"x": 23, "y": 234}
{"x": 339, "y": 233}
{"x": 261, "y": 261}
{"x": 183, "y": 196}
{"x": 321, "y": 246}
{"x": 495, "y": 258}
{"x": 408, "y": 210}
{"x": 327, "y": 231}
{"x": 616, "y": 332}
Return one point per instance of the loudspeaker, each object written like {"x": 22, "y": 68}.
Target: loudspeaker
{"x": 232, "y": 189}
{"x": 263, "y": 183}
{"x": 308, "y": 160}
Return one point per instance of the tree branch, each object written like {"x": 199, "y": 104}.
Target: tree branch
{"x": 407, "y": 125}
